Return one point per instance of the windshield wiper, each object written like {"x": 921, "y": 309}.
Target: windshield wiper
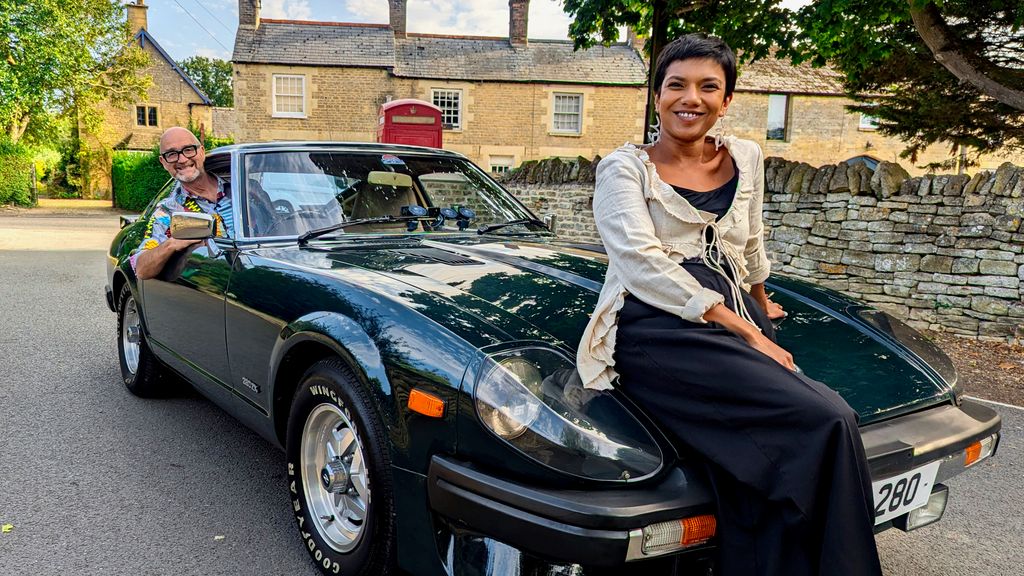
{"x": 318, "y": 232}
{"x": 493, "y": 227}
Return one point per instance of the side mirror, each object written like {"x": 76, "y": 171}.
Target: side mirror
{"x": 191, "y": 225}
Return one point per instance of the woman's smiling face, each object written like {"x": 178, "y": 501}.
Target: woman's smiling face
{"x": 691, "y": 99}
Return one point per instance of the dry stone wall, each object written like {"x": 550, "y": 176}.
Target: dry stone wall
{"x": 943, "y": 252}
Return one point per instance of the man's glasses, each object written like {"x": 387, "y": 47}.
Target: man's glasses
{"x": 186, "y": 151}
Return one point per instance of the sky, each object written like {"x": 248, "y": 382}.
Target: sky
{"x": 207, "y": 27}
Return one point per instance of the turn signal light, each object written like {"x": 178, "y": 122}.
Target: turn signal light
{"x": 978, "y": 451}
{"x": 426, "y": 404}
{"x": 667, "y": 536}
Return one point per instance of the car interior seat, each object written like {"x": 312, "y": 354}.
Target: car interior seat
{"x": 262, "y": 218}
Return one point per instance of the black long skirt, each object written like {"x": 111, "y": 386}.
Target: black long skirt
{"x": 784, "y": 453}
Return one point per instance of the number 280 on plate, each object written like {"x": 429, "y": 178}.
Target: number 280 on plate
{"x": 900, "y": 494}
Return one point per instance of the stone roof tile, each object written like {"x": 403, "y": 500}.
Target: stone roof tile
{"x": 781, "y": 76}
{"x": 433, "y": 56}
{"x": 461, "y": 58}
{"x": 315, "y": 44}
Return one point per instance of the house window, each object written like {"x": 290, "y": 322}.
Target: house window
{"x": 450, "y": 103}
{"x": 501, "y": 164}
{"x": 778, "y": 117}
{"x": 868, "y": 122}
{"x": 568, "y": 115}
{"x": 289, "y": 96}
{"x": 146, "y": 116}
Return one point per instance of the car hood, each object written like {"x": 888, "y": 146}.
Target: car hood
{"x": 545, "y": 290}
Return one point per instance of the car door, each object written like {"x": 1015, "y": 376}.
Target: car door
{"x": 184, "y": 308}
{"x": 185, "y": 311}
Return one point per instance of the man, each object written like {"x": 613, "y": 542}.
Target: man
{"x": 182, "y": 155}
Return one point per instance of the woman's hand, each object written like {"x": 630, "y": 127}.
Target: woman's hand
{"x": 771, "y": 309}
{"x": 722, "y": 315}
{"x": 763, "y": 344}
{"x": 774, "y": 310}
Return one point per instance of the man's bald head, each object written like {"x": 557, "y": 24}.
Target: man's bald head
{"x": 187, "y": 165}
{"x": 176, "y": 137}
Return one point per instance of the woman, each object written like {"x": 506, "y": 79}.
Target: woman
{"x": 683, "y": 321}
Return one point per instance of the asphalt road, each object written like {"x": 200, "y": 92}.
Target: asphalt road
{"x": 95, "y": 481}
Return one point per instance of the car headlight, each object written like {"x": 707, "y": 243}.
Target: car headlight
{"x": 533, "y": 399}
{"x": 914, "y": 341}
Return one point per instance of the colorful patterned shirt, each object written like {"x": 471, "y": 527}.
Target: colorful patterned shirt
{"x": 180, "y": 200}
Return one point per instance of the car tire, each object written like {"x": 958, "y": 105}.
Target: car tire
{"x": 141, "y": 371}
{"x": 339, "y": 474}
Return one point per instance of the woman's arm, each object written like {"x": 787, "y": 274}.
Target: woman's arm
{"x": 758, "y": 266}
{"x": 722, "y": 315}
{"x": 624, "y": 223}
{"x": 772, "y": 309}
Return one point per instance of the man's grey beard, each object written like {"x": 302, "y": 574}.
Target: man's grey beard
{"x": 184, "y": 180}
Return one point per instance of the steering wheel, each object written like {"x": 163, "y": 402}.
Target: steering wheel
{"x": 282, "y": 207}
{"x": 285, "y": 224}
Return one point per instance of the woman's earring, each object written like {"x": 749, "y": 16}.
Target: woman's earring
{"x": 720, "y": 133}
{"x": 654, "y": 132}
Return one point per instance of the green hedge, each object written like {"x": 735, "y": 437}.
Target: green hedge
{"x": 16, "y": 167}
{"x": 137, "y": 177}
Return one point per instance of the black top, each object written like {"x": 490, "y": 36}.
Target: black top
{"x": 716, "y": 201}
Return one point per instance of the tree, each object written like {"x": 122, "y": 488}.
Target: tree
{"x": 944, "y": 72}
{"x": 751, "y": 27}
{"x": 213, "y": 76}
{"x": 59, "y": 59}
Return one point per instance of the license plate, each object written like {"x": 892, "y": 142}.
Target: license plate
{"x": 901, "y": 494}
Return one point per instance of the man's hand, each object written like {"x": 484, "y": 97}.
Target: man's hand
{"x": 151, "y": 262}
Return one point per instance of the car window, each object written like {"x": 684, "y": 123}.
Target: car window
{"x": 289, "y": 193}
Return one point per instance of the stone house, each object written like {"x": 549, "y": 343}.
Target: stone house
{"x": 504, "y": 100}
{"x": 798, "y": 112}
{"x": 507, "y": 100}
{"x": 172, "y": 100}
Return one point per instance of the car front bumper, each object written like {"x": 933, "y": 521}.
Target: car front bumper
{"x": 601, "y": 527}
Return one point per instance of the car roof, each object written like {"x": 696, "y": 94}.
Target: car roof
{"x": 370, "y": 147}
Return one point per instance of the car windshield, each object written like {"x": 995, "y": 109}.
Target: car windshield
{"x": 291, "y": 193}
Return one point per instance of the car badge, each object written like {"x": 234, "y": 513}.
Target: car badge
{"x": 251, "y": 385}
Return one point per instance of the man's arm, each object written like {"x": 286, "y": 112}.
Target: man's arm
{"x": 150, "y": 262}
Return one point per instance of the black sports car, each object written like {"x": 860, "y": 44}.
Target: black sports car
{"x": 405, "y": 330}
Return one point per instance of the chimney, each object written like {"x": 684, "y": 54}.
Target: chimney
{"x": 137, "y": 16}
{"x": 249, "y": 14}
{"x": 397, "y": 14}
{"x": 518, "y": 13}
{"x": 635, "y": 39}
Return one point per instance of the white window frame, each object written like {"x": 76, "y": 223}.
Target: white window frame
{"x": 434, "y": 92}
{"x": 273, "y": 96}
{"x": 786, "y": 112}
{"x": 867, "y": 122}
{"x": 555, "y": 113}
{"x": 501, "y": 163}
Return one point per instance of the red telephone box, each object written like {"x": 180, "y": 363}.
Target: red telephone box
{"x": 409, "y": 121}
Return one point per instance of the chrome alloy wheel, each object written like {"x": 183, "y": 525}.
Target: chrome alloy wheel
{"x": 334, "y": 477}
{"x": 131, "y": 330}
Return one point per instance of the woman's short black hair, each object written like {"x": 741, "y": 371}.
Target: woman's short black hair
{"x": 697, "y": 46}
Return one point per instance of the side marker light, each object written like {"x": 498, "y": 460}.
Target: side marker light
{"x": 425, "y": 403}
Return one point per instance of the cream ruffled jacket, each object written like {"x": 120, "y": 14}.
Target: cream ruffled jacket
{"x": 648, "y": 229}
